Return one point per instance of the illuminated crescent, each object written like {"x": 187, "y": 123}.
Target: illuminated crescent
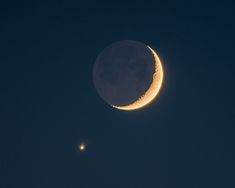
{"x": 153, "y": 90}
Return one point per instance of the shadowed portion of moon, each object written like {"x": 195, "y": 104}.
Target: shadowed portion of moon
{"x": 123, "y": 72}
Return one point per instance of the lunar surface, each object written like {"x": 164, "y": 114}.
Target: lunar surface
{"x": 128, "y": 75}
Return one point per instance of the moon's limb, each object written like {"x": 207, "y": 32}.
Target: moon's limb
{"x": 153, "y": 90}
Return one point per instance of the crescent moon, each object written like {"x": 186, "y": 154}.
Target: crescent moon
{"x": 153, "y": 90}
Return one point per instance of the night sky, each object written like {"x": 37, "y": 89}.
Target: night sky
{"x": 49, "y": 105}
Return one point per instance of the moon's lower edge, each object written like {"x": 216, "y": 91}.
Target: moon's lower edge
{"x": 153, "y": 90}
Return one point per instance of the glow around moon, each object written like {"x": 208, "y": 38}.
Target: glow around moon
{"x": 153, "y": 90}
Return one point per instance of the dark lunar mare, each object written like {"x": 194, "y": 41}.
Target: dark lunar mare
{"x": 123, "y": 72}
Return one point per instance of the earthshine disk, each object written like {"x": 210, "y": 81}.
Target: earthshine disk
{"x": 128, "y": 75}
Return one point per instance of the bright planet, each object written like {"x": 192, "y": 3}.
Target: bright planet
{"x": 128, "y": 75}
{"x": 82, "y": 146}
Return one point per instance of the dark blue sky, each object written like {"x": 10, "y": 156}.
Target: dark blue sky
{"x": 49, "y": 105}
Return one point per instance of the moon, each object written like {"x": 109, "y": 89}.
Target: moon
{"x": 128, "y": 75}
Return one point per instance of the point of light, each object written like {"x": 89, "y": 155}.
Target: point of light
{"x": 82, "y": 147}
